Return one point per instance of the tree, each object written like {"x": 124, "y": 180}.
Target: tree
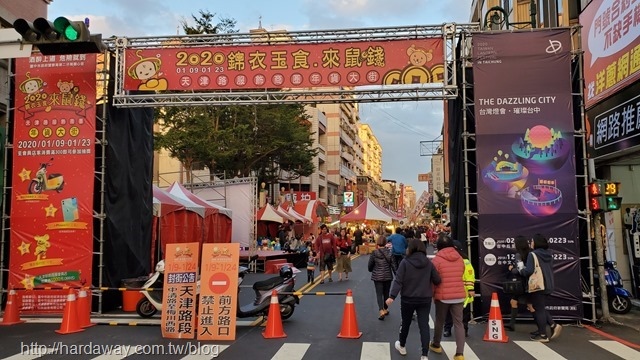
{"x": 237, "y": 140}
{"x": 204, "y": 24}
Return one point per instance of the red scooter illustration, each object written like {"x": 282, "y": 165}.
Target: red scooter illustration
{"x": 42, "y": 181}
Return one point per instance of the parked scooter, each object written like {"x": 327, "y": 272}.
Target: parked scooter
{"x": 42, "y": 181}
{"x": 619, "y": 297}
{"x": 284, "y": 282}
{"x": 152, "y": 300}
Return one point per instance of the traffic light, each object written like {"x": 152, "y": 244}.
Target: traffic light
{"x": 62, "y": 36}
{"x": 596, "y": 200}
{"x": 603, "y": 196}
{"x": 611, "y": 190}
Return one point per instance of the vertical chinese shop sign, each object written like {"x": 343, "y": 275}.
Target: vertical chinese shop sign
{"x": 180, "y": 290}
{"x": 218, "y": 292}
{"x": 52, "y": 177}
{"x": 525, "y": 156}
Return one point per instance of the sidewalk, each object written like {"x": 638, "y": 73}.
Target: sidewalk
{"x": 625, "y": 328}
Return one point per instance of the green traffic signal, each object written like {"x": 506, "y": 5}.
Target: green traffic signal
{"x": 614, "y": 203}
{"x": 72, "y": 30}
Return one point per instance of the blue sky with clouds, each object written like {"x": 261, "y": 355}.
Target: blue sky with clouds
{"x": 398, "y": 126}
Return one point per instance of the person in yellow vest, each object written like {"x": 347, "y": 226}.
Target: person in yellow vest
{"x": 469, "y": 280}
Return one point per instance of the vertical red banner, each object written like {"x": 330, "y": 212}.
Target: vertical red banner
{"x": 218, "y": 292}
{"x": 52, "y": 177}
{"x": 180, "y": 290}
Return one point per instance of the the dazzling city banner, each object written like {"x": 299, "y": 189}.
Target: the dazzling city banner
{"x": 611, "y": 44}
{"x": 525, "y": 157}
{"x": 284, "y": 64}
{"x": 52, "y": 177}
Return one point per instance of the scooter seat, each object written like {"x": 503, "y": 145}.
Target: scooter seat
{"x": 268, "y": 284}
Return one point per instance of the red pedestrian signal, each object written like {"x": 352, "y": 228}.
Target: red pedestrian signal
{"x": 596, "y": 200}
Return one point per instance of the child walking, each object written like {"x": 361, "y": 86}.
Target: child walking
{"x": 311, "y": 267}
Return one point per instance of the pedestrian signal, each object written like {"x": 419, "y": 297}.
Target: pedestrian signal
{"x": 596, "y": 200}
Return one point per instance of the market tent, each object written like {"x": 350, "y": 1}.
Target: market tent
{"x": 217, "y": 219}
{"x": 267, "y": 221}
{"x": 268, "y": 213}
{"x": 175, "y": 221}
{"x": 298, "y": 216}
{"x": 311, "y": 209}
{"x": 368, "y": 210}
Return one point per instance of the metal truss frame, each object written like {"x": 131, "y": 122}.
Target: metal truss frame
{"x": 449, "y": 32}
{"x": 579, "y": 134}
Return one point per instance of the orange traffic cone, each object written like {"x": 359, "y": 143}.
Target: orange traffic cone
{"x": 495, "y": 327}
{"x": 274, "y": 330}
{"x": 70, "y": 322}
{"x": 84, "y": 309}
{"x": 11, "y": 311}
{"x": 349, "y": 328}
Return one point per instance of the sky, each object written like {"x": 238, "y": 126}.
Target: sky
{"x": 398, "y": 126}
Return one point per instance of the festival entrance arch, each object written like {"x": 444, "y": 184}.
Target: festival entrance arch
{"x": 391, "y": 64}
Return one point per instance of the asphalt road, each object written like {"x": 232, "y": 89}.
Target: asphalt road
{"x": 312, "y": 334}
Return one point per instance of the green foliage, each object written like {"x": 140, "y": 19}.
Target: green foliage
{"x": 237, "y": 140}
{"x": 204, "y": 24}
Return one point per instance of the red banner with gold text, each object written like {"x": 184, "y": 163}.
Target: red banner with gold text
{"x": 286, "y": 65}
{"x": 52, "y": 177}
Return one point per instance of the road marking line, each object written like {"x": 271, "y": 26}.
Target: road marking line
{"x": 617, "y": 348}
{"x": 449, "y": 348}
{"x": 28, "y": 356}
{"x": 110, "y": 357}
{"x": 291, "y": 351}
{"x": 206, "y": 352}
{"x": 539, "y": 350}
{"x": 375, "y": 351}
{"x": 612, "y": 337}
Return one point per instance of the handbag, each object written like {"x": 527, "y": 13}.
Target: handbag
{"x": 513, "y": 286}
{"x": 393, "y": 270}
{"x": 536, "y": 280}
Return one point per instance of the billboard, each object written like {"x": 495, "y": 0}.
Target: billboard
{"x": 525, "y": 156}
{"x": 613, "y": 124}
{"x": 285, "y": 65}
{"x": 611, "y": 44}
{"x": 52, "y": 178}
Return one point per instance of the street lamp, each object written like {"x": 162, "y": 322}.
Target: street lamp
{"x": 497, "y": 16}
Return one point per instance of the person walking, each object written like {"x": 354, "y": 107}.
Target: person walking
{"x": 382, "y": 265}
{"x": 469, "y": 280}
{"x": 357, "y": 239}
{"x": 326, "y": 248}
{"x": 522, "y": 248}
{"x": 343, "y": 264}
{"x": 449, "y": 295}
{"x": 414, "y": 282}
{"x": 399, "y": 245}
{"x": 541, "y": 257}
{"x": 311, "y": 266}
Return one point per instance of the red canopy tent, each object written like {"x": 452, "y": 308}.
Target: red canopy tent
{"x": 175, "y": 221}
{"x": 368, "y": 211}
{"x": 267, "y": 220}
{"x": 217, "y": 219}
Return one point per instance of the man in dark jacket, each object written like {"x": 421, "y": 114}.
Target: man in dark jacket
{"x": 413, "y": 282}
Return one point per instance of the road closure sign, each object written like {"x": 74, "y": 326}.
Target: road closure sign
{"x": 218, "y": 292}
{"x": 179, "y": 290}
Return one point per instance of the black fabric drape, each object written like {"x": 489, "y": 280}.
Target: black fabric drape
{"x": 128, "y": 196}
